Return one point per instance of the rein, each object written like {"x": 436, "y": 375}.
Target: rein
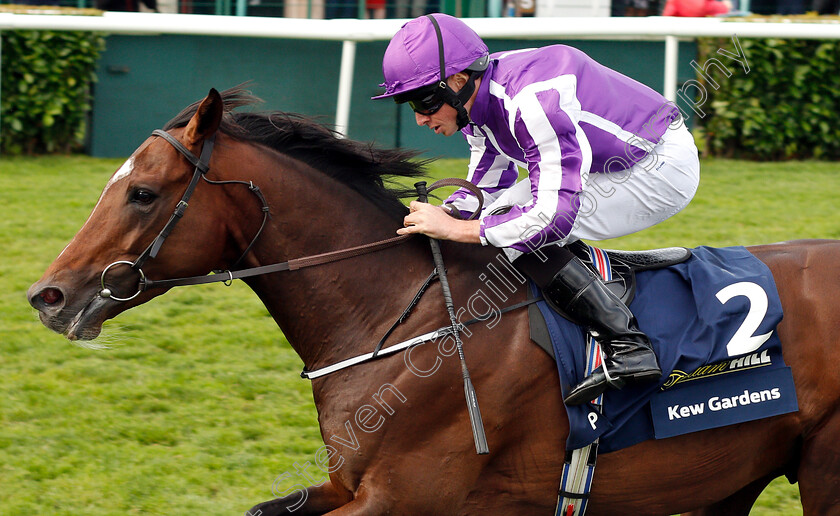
{"x": 291, "y": 265}
{"x": 202, "y": 166}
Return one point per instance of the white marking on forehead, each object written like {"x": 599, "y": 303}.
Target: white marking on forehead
{"x": 124, "y": 171}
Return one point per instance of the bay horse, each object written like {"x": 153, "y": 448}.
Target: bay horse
{"x": 399, "y": 441}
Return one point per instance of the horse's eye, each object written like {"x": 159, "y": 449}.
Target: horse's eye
{"x": 141, "y": 196}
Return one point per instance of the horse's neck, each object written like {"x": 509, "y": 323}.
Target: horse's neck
{"x": 333, "y": 311}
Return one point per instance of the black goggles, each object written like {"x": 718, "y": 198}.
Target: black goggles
{"x": 425, "y": 103}
{"x": 428, "y": 105}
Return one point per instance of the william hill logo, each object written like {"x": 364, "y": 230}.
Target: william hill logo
{"x": 727, "y": 366}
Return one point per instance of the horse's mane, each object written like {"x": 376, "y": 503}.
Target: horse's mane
{"x": 363, "y": 167}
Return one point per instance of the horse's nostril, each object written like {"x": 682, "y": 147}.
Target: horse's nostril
{"x": 45, "y": 299}
{"x": 51, "y": 296}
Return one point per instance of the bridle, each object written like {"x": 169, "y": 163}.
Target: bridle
{"x": 202, "y": 166}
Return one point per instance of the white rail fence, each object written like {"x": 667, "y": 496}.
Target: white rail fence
{"x": 350, "y": 32}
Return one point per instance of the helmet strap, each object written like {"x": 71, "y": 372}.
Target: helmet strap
{"x": 456, "y": 100}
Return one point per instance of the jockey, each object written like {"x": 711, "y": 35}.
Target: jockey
{"x": 605, "y": 156}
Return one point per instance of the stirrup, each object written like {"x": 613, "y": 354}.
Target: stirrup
{"x": 610, "y": 380}
{"x": 591, "y": 387}
{"x": 600, "y": 381}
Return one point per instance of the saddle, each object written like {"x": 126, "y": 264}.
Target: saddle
{"x": 623, "y": 266}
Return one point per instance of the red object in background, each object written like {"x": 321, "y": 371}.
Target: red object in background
{"x": 696, "y": 8}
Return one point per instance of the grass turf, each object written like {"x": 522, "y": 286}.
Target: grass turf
{"x": 197, "y": 406}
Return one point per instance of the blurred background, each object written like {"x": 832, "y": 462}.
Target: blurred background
{"x": 197, "y": 405}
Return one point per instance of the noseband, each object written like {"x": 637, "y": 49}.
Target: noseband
{"x": 202, "y": 166}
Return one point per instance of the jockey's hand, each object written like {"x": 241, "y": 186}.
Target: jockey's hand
{"x": 436, "y": 222}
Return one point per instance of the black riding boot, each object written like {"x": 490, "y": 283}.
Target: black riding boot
{"x": 580, "y": 294}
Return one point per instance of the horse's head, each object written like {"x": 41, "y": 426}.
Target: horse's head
{"x": 124, "y": 253}
{"x": 133, "y": 208}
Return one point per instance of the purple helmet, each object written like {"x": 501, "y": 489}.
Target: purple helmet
{"x": 412, "y": 59}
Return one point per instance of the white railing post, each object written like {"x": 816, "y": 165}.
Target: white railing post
{"x": 671, "y": 55}
{"x": 345, "y": 86}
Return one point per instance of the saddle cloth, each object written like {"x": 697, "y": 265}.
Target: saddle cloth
{"x": 711, "y": 320}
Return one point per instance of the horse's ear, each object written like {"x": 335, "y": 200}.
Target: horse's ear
{"x": 207, "y": 118}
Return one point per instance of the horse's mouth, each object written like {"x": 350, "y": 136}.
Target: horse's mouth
{"x": 85, "y": 325}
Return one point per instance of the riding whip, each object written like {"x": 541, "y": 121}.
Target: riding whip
{"x": 469, "y": 391}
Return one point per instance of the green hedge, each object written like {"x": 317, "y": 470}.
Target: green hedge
{"x": 785, "y": 107}
{"x": 46, "y": 82}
